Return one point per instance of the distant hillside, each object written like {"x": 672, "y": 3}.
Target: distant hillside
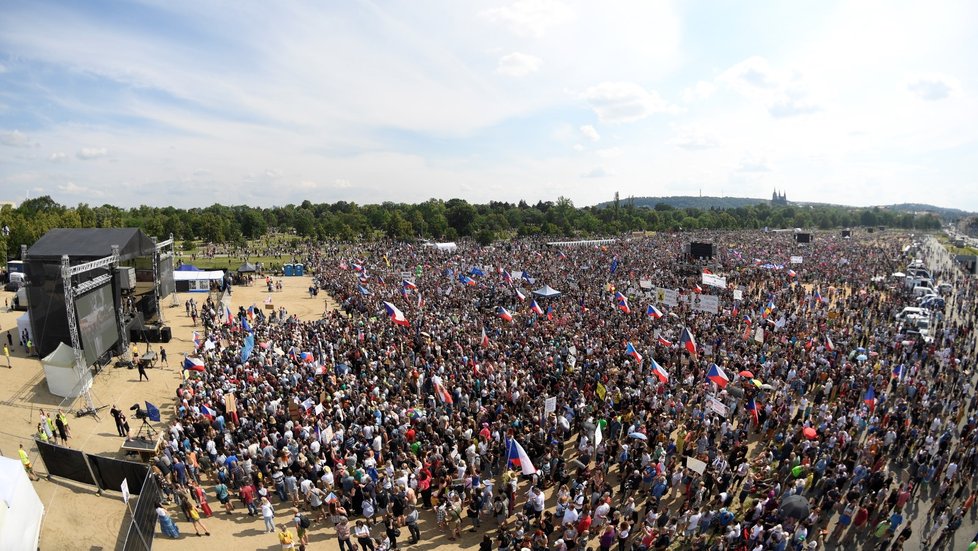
{"x": 945, "y": 213}
{"x": 689, "y": 202}
{"x": 706, "y": 203}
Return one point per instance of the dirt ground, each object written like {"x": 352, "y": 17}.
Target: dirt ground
{"x": 75, "y": 517}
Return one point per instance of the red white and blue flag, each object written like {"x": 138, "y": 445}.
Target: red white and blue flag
{"x": 484, "y": 341}
{"x": 752, "y": 409}
{"x": 208, "y": 412}
{"x": 198, "y": 340}
{"x": 408, "y": 284}
{"x": 663, "y": 341}
{"x": 870, "y": 399}
{"x": 687, "y": 341}
{"x": 517, "y": 457}
{"x": 828, "y": 344}
{"x": 396, "y": 315}
{"x": 653, "y": 312}
{"x": 630, "y": 350}
{"x": 519, "y": 295}
{"x": 716, "y": 375}
{"x": 659, "y": 371}
{"x": 622, "y": 302}
{"x": 536, "y": 308}
{"x": 193, "y": 364}
{"x": 504, "y": 313}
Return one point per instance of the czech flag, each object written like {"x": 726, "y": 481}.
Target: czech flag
{"x": 622, "y": 302}
{"x": 653, "y": 312}
{"x": 198, "y": 340}
{"x": 818, "y": 296}
{"x": 363, "y": 290}
{"x": 828, "y": 344}
{"x": 396, "y": 315}
{"x": 507, "y": 277}
{"x": 752, "y": 409}
{"x": 466, "y": 280}
{"x": 659, "y": 372}
{"x": 357, "y": 267}
{"x": 687, "y": 341}
{"x": 697, "y": 289}
{"x": 504, "y": 313}
{"x": 307, "y": 357}
{"x": 630, "y": 350}
{"x": 791, "y": 273}
{"x": 550, "y": 312}
{"x": 193, "y": 364}
{"x": 897, "y": 371}
{"x": 517, "y": 458}
{"x": 228, "y": 316}
{"x": 408, "y": 285}
{"x": 443, "y": 394}
{"x": 420, "y": 301}
{"x": 870, "y": 399}
{"x": 526, "y": 276}
{"x": 536, "y": 308}
{"x": 747, "y": 319}
{"x": 251, "y": 313}
{"x": 717, "y": 376}
{"x": 208, "y": 412}
{"x": 662, "y": 341}
{"x": 520, "y": 295}
{"x": 484, "y": 341}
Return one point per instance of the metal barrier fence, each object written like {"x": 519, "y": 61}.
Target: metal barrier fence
{"x": 142, "y": 526}
{"x": 108, "y": 473}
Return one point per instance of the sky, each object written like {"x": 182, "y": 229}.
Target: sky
{"x": 190, "y": 103}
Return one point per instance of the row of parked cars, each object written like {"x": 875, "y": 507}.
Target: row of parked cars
{"x": 916, "y": 320}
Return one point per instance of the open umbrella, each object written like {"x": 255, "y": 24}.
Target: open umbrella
{"x": 746, "y": 374}
{"x": 794, "y": 506}
{"x": 766, "y": 386}
{"x": 861, "y": 358}
{"x": 757, "y": 383}
{"x": 810, "y": 433}
{"x": 898, "y": 274}
{"x": 637, "y": 436}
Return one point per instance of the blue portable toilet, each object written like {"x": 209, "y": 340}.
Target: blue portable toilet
{"x": 288, "y": 269}
{"x": 299, "y": 270}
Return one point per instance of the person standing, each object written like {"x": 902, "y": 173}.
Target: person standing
{"x": 6, "y": 352}
{"x": 163, "y": 357}
{"x": 285, "y": 538}
{"x": 167, "y": 526}
{"x": 268, "y": 514}
{"x": 26, "y": 460}
{"x": 141, "y": 366}
{"x": 116, "y": 414}
{"x": 62, "y": 430}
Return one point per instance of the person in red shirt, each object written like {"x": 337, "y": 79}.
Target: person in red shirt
{"x": 247, "y": 494}
{"x": 584, "y": 521}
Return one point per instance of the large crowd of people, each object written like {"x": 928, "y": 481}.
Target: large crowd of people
{"x": 630, "y": 406}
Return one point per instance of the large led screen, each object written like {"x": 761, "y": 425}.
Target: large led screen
{"x": 97, "y": 323}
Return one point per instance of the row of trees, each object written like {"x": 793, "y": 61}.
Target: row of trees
{"x": 435, "y": 219}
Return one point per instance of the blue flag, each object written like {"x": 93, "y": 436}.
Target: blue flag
{"x": 614, "y": 265}
{"x": 249, "y": 345}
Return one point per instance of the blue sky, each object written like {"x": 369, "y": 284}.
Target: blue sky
{"x": 191, "y": 103}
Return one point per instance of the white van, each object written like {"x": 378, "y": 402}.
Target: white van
{"x": 920, "y": 291}
{"x": 911, "y": 312}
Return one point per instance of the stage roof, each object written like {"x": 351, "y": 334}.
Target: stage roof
{"x": 83, "y": 244}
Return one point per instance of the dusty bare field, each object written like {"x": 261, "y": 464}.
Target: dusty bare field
{"x": 76, "y": 518}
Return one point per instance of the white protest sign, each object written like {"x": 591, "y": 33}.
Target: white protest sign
{"x": 796, "y": 259}
{"x": 738, "y": 294}
{"x": 125, "y": 490}
{"x": 645, "y": 283}
{"x": 714, "y": 280}
{"x": 759, "y": 334}
{"x": 669, "y": 297}
{"x": 703, "y": 303}
{"x": 550, "y": 405}
{"x": 319, "y": 409}
{"x": 695, "y": 464}
{"x": 717, "y": 406}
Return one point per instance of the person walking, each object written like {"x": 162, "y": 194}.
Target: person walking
{"x": 167, "y": 526}
{"x": 141, "y": 366}
{"x": 194, "y": 513}
{"x": 163, "y": 357}
{"x": 268, "y": 514}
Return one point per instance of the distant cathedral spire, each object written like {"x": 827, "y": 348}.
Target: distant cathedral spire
{"x": 779, "y": 198}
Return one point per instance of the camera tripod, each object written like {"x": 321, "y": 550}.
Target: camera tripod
{"x": 150, "y": 431}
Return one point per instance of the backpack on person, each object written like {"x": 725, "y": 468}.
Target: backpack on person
{"x": 304, "y": 522}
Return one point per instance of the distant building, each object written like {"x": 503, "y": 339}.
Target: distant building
{"x": 779, "y": 198}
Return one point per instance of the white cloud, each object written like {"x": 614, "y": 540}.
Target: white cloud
{"x": 15, "y": 138}
{"x": 531, "y": 17}
{"x": 783, "y": 93}
{"x": 609, "y": 152}
{"x": 89, "y": 153}
{"x": 596, "y": 172}
{"x": 591, "y": 133}
{"x": 578, "y": 147}
{"x": 518, "y": 65}
{"x": 619, "y": 102}
{"x": 58, "y": 157}
{"x": 694, "y": 139}
{"x": 699, "y": 91}
{"x": 753, "y": 163}
{"x": 72, "y": 188}
{"x": 932, "y": 87}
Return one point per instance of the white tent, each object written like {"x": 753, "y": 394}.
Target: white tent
{"x": 448, "y": 246}
{"x": 24, "y": 323}
{"x": 546, "y": 292}
{"x": 21, "y": 509}
{"x": 59, "y": 370}
{"x": 196, "y": 281}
